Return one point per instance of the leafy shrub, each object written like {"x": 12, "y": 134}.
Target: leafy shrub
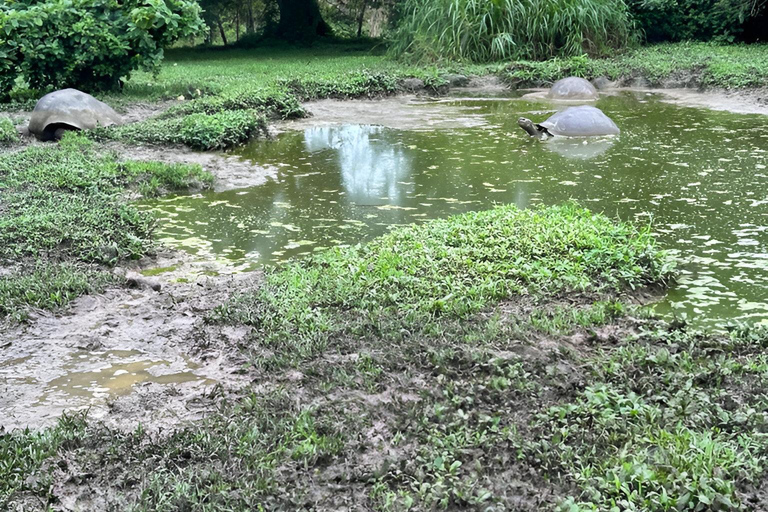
{"x": 89, "y": 44}
{"x": 8, "y": 131}
{"x": 485, "y": 30}
{"x": 679, "y": 20}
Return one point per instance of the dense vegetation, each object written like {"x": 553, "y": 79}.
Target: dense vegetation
{"x": 89, "y": 44}
{"x": 702, "y": 20}
{"x": 484, "y": 31}
{"x": 65, "y": 219}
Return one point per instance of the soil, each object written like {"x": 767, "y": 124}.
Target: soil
{"x": 405, "y": 112}
{"x": 749, "y": 101}
{"x": 130, "y": 355}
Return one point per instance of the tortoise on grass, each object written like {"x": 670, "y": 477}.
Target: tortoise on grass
{"x": 582, "y": 121}
{"x": 69, "y": 109}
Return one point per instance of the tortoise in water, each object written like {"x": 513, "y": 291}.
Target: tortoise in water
{"x": 582, "y": 121}
{"x": 572, "y": 88}
{"x": 69, "y": 109}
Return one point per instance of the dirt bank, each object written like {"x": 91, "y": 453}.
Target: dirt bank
{"x": 130, "y": 355}
{"x": 231, "y": 172}
{"x": 746, "y": 101}
{"x": 403, "y": 112}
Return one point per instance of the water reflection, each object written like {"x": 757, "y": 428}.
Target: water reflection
{"x": 579, "y": 149}
{"x": 371, "y": 169}
{"x": 683, "y": 169}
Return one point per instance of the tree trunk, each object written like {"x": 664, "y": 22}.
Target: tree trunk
{"x": 361, "y": 19}
{"x": 221, "y": 31}
{"x": 301, "y": 19}
{"x": 237, "y": 24}
{"x": 251, "y": 28}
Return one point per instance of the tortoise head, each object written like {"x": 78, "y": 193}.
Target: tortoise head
{"x": 527, "y": 125}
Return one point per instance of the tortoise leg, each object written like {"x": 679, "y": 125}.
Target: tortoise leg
{"x": 59, "y": 133}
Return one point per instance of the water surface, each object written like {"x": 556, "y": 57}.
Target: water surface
{"x": 699, "y": 176}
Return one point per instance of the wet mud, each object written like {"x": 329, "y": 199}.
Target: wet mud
{"x": 405, "y": 112}
{"x": 129, "y": 356}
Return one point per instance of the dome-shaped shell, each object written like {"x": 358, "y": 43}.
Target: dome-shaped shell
{"x": 70, "y": 108}
{"x": 572, "y": 88}
{"x": 582, "y": 121}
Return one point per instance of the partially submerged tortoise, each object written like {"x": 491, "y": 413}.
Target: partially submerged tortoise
{"x": 69, "y": 109}
{"x": 572, "y": 88}
{"x": 581, "y": 121}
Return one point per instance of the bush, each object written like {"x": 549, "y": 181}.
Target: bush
{"x": 88, "y": 44}
{"x": 704, "y": 20}
{"x": 483, "y": 30}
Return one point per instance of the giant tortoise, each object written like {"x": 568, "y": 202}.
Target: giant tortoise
{"x": 69, "y": 109}
{"x": 572, "y": 88}
{"x": 581, "y": 121}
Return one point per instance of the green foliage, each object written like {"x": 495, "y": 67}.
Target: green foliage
{"x": 484, "y": 31}
{"x": 8, "y": 132}
{"x": 685, "y": 20}
{"x": 68, "y": 200}
{"x": 670, "y": 423}
{"x": 707, "y": 64}
{"x": 22, "y": 452}
{"x": 47, "y": 286}
{"x": 88, "y": 44}
{"x": 450, "y": 268}
{"x": 221, "y": 130}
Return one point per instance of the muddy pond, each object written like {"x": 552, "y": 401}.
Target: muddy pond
{"x": 699, "y": 176}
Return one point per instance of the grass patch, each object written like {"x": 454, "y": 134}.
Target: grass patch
{"x": 22, "y": 453}
{"x": 710, "y": 65}
{"x": 220, "y": 130}
{"x": 47, "y": 286}
{"x": 67, "y": 204}
{"x": 8, "y": 132}
{"x": 448, "y": 268}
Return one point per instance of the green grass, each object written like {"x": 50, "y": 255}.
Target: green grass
{"x": 448, "y": 268}
{"x": 711, "y": 65}
{"x": 47, "y": 286}
{"x": 220, "y": 130}
{"x": 67, "y": 203}
{"x": 8, "y": 133}
{"x": 670, "y": 421}
{"x": 22, "y": 453}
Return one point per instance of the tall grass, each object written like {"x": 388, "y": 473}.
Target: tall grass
{"x": 490, "y": 30}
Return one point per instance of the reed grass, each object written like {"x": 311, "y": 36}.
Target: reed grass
{"x": 492, "y": 30}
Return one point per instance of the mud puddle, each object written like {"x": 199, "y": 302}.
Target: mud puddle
{"x": 127, "y": 356}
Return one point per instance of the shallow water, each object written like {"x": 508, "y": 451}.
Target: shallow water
{"x": 698, "y": 175}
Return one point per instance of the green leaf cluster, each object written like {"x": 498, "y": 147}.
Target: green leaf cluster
{"x": 88, "y": 44}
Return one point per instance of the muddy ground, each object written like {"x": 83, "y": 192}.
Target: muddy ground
{"x": 142, "y": 353}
